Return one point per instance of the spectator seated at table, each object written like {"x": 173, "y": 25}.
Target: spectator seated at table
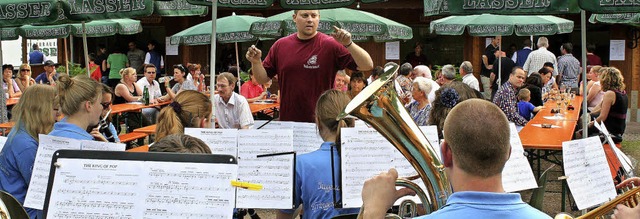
{"x": 252, "y": 90}
{"x": 594, "y": 88}
{"x": 190, "y": 109}
{"x": 420, "y": 108}
{"x": 526, "y": 109}
{"x": 182, "y": 83}
{"x": 49, "y": 76}
{"x": 534, "y": 84}
{"x": 507, "y": 97}
{"x": 155, "y": 96}
{"x": 447, "y": 97}
{"x": 127, "y": 91}
{"x": 196, "y": 76}
{"x": 341, "y": 81}
{"x": 32, "y": 116}
{"x": 232, "y": 110}
{"x": 24, "y": 78}
{"x": 613, "y": 108}
{"x": 9, "y": 85}
{"x": 356, "y": 84}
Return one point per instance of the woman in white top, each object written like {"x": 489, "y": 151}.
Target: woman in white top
{"x": 9, "y": 85}
{"x": 594, "y": 89}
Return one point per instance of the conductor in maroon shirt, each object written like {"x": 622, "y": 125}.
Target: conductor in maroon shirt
{"x": 305, "y": 63}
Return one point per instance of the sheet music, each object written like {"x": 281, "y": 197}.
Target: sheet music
{"x": 624, "y": 159}
{"x": 517, "y": 174}
{"x": 41, "y": 167}
{"x": 305, "y": 135}
{"x": 587, "y": 171}
{"x": 431, "y": 132}
{"x": 364, "y": 154}
{"x": 275, "y": 173}
{"x": 220, "y": 141}
{"x": 92, "y": 188}
{"x": 102, "y": 146}
{"x": 2, "y": 141}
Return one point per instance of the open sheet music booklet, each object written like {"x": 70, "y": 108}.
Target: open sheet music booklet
{"x": 274, "y": 173}
{"x": 365, "y": 153}
{"x": 107, "y": 184}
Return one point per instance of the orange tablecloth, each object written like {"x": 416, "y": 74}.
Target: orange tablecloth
{"x": 12, "y": 101}
{"x": 533, "y": 137}
{"x": 143, "y": 148}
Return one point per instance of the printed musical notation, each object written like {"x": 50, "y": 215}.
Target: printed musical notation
{"x": 275, "y": 173}
{"x": 587, "y": 171}
{"x": 517, "y": 174}
{"x": 220, "y": 141}
{"x": 48, "y": 145}
{"x": 2, "y": 141}
{"x": 141, "y": 189}
{"x": 305, "y": 135}
{"x": 364, "y": 153}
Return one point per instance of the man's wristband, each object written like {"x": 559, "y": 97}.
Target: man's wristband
{"x": 347, "y": 46}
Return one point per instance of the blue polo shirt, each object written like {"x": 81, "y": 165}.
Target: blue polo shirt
{"x": 68, "y": 130}
{"x": 16, "y": 165}
{"x": 487, "y": 205}
{"x": 313, "y": 186}
{"x": 42, "y": 78}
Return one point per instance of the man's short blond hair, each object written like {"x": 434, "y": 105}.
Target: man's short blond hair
{"x": 477, "y": 132}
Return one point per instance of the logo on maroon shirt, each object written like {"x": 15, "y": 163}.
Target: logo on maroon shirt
{"x": 312, "y": 63}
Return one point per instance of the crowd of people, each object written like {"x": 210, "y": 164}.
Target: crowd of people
{"x": 514, "y": 88}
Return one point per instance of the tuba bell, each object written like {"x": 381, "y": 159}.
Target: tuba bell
{"x": 10, "y": 207}
{"x": 379, "y": 106}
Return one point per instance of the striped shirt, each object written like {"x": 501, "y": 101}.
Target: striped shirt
{"x": 536, "y": 61}
{"x": 568, "y": 68}
{"x": 506, "y": 99}
{"x": 235, "y": 114}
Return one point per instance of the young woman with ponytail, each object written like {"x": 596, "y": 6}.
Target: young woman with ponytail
{"x": 189, "y": 109}
{"x": 80, "y": 101}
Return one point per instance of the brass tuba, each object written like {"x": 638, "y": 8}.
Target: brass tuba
{"x": 10, "y": 207}
{"x": 379, "y": 106}
{"x": 629, "y": 198}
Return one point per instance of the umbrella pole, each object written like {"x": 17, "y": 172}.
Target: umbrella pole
{"x": 500, "y": 64}
{"x": 212, "y": 68}
{"x": 71, "y": 47}
{"x": 583, "y": 38}
{"x": 66, "y": 56}
{"x": 85, "y": 47}
{"x": 3, "y": 100}
{"x": 238, "y": 67}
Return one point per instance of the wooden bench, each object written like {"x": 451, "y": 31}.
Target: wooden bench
{"x": 124, "y": 138}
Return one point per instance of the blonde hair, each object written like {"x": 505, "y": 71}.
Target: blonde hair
{"x": 187, "y": 106}
{"x": 73, "y": 91}
{"x": 34, "y": 112}
{"x": 611, "y": 79}
{"x": 180, "y": 143}
{"x": 329, "y": 106}
{"x": 524, "y": 94}
{"x": 23, "y": 66}
{"x": 125, "y": 72}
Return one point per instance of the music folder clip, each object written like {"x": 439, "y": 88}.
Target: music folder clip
{"x": 246, "y": 185}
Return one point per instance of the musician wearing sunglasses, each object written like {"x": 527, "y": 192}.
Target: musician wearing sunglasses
{"x": 474, "y": 167}
{"x": 105, "y": 131}
{"x": 24, "y": 78}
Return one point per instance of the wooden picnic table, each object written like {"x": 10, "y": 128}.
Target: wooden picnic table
{"x": 147, "y": 129}
{"x": 538, "y": 138}
{"x": 13, "y": 101}
{"x": 259, "y": 107}
{"x": 143, "y": 148}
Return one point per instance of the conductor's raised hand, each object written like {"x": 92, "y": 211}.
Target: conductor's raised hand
{"x": 342, "y": 36}
{"x": 254, "y": 55}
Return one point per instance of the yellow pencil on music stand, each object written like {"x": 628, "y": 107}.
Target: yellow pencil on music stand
{"x": 246, "y": 185}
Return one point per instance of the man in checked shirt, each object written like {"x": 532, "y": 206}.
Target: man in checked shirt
{"x": 507, "y": 99}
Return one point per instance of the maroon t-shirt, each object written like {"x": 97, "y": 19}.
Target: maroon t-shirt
{"x": 305, "y": 69}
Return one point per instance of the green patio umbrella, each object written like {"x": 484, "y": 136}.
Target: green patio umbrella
{"x": 178, "y": 8}
{"x": 44, "y": 32}
{"x": 468, "y": 7}
{"x": 288, "y": 4}
{"x": 621, "y": 18}
{"x": 230, "y": 29}
{"x": 502, "y": 25}
{"x": 9, "y": 33}
{"x": 610, "y": 6}
{"x": 358, "y": 23}
{"x": 108, "y": 27}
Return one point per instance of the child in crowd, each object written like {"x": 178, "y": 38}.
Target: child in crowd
{"x": 524, "y": 107}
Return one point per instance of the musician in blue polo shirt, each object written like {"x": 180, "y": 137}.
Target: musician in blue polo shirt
{"x": 313, "y": 186}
